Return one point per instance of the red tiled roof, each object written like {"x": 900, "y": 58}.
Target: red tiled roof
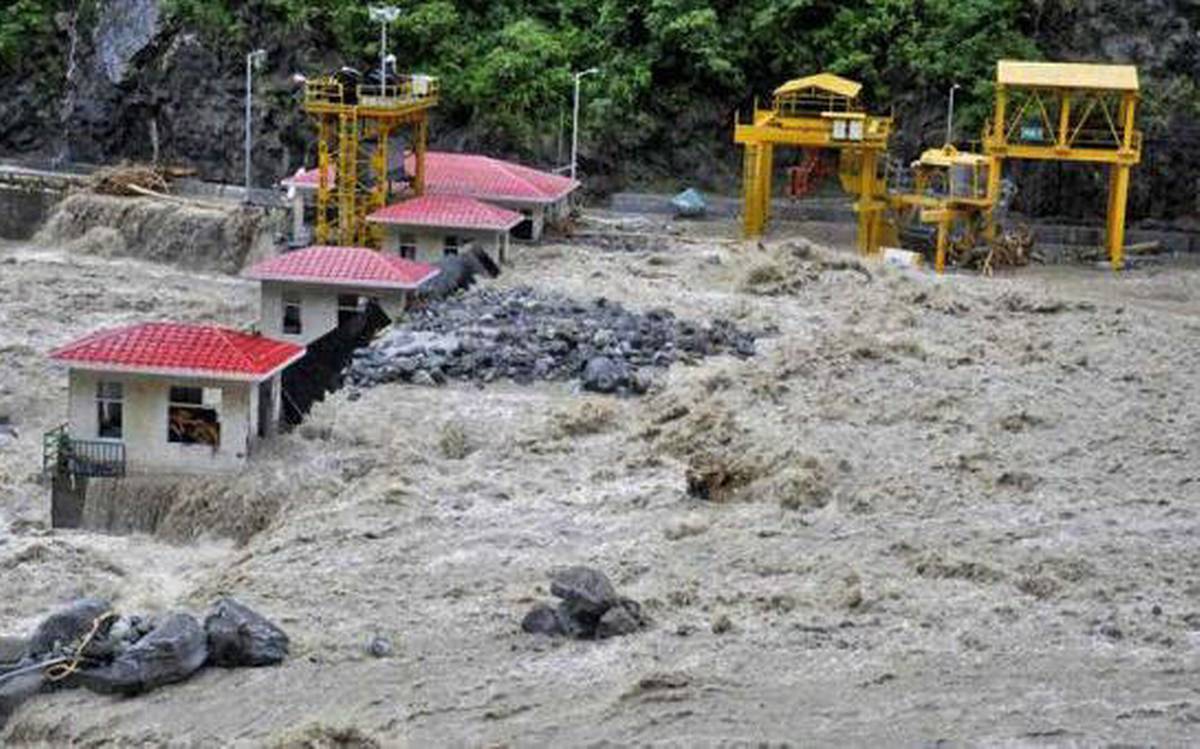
{"x": 447, "y": 211}
{"x": 344, "y": 266}
{"x": 308, "y": 178}
{"x": 181, "y": 349}
{"x": 474, "y": 176}
{"x": 490, "y": 179}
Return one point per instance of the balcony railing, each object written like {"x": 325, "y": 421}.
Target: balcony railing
{"x": 400, "y": 92}
{"x": 63, "y": 455}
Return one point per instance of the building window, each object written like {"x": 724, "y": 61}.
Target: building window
{"x": 450, "y": 247}
{"x": 350, "y": 306}
{"x": 291, "y": 315}
{"x": 193, "y": 416}
{"x": 408, "y": 246}
{"x": 109, "y": 410}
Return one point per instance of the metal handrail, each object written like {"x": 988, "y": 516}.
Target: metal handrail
{"x": 95, "y": 458}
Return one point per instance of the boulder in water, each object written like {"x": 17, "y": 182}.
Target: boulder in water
{"x": 65, "y": 628}
{"x": 171, "y": 652}
{"x": 238, "y": 636}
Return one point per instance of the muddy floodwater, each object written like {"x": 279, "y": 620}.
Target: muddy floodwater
{"x": 952, "y": 509}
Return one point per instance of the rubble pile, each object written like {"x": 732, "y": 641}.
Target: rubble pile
{"x": 523, "y": 335}
{"x": 589, "y": 608}
{"x": 89, "y": 645}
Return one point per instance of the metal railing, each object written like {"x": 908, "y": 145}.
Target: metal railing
{"x": 63, "y": 455}
{"x": 400, "y": 92}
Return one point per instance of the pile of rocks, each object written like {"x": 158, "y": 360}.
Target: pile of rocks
{"x": 523, "y": 335}
{"x": 86, "y": 645}
{"x": 590, "y": 608}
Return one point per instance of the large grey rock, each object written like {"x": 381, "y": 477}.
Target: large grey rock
{"x": 624, "y": 618}
{"x": 171, "y": 652}
{"x": 238, "y": 636}
{"x": 64, "y": 628}
{"x": 542, "y": 619}
{"x": 15, "y": 690}
{"x": 587, "y": 593}
{"x": 603, "y": 375}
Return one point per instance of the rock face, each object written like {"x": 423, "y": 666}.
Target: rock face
{"x": 171, "y": 652}
{"x": 237, "y": 636}
{"x": 589, "y": 608}
{"x": 523, "y": 335}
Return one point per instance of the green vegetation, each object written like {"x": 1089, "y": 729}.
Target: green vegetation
{"x": 506, "y": 66}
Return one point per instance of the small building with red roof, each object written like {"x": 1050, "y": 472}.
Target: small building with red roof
{"x": 540, "y": 197}
{"x": 160, "y": 398}
{"x": 308, "y": 293}
{"x": 431, "y": 227}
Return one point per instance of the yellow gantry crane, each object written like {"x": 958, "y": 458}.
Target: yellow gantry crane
{"x": 1072, "y": 112}
{"x": 355, "y": 125}
{"x": 820, "y": 111}
{"x": 1069, "y": 112}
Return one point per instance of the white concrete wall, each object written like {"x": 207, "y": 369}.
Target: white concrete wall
{"x": 318, "y": 311}
{"x": 318, "y": 307}
{"x": 432, "y": 242}
{"x": 145, "y": 419}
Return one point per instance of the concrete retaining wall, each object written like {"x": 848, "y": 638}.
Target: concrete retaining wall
{"x": 23, "y": 211}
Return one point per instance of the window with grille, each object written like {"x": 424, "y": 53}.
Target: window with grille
{"x": 110, "y": 414}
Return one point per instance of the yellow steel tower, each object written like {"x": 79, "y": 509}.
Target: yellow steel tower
{"x": 354, "y": 127}
{"x": 820, "y": 111}
{"x": 1070, "y": 112}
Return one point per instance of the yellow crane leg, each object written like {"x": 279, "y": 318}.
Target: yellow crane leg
{"x": 1118, "y": 196}
{"x": 943, "y": 236}
{"x": 753, "y": 217}
{"x": 868, "y": 208}
{"x": 420, "y": 143}
{"x": 766, "y": 166}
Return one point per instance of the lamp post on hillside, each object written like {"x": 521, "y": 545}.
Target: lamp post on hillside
{"x": 575, "y": 121}
{"x": 950, "y": 116}
{"x": 253, "y": 60}
{"x": 383, "y": 15}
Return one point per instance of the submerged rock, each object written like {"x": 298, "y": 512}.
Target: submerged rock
{"x": 238, "y": 636}
{"x": 171, "y": 652}
{"x": 586, "y": 591}
{"x": 64, "y": 628}
{"x": 542, "y": 619}
{"x": 625, "y": 618}
{"x": 590, "y": 608}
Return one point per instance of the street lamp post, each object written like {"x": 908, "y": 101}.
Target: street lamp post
{"x": 253, "y": 60}
{"x": 575, "y": 121}
{"x": 384, "y": 15}
{"x": 950, "y": 116}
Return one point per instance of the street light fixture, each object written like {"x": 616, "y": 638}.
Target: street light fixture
{"x": 575, "y": 121}
{"x": 383, "y": 15}
{"x": 253, "y": 61}
{"x": 950, "y": 116}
